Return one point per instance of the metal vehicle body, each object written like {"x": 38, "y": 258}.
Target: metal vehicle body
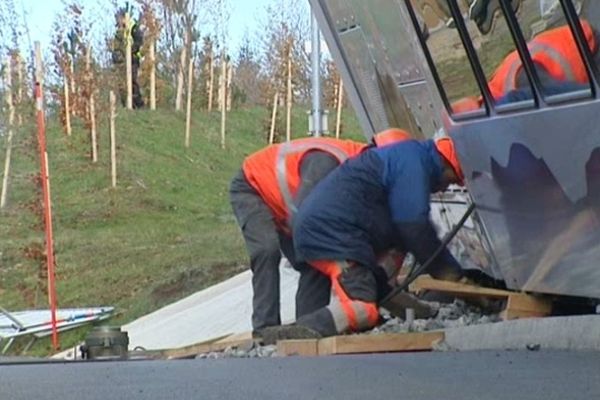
{"x": 532, "y": 167}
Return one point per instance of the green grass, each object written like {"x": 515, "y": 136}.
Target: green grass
{"x": 164, "y": 232}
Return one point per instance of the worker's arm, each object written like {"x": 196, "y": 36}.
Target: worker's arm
{"x": 409, "y": 195}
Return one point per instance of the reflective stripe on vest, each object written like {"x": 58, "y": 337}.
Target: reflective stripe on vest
{"x": 282, "y": 174}
{"x": 510, "y": 83}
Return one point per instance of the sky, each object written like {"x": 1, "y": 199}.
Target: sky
{"x": 245, "y": 16}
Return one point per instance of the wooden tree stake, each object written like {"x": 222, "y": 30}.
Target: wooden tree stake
{"x": 188, "y": 117}
{"x": 67, "y": 105}
{"x": 113, "y": 144}
{"x": 20, "y": 75}
{"x": 222, "y": 100}
{"x": 180, "y": 74}
{"x": 152, "y": 57}
{"x": 11, "y": 117}
{"x": 273, "y": 118}
{"x": 228, "y": 86}
{"x": 340, "y": 100}
{"x": 128, "y": 61}
{"x": 211, "y": 81}
{"x": 288, "y": 122}
{"x": 71, "y": 60}
{"x": 91, "y": 105}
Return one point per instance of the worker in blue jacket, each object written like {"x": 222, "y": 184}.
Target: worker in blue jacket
{"x": 372, "y": 203}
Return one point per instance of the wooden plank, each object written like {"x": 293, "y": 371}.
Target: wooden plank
{"x": 425, "y": 282}
{"x": 381, "y": 343}
{"x": 302, "y": 347}
{"x": 522, "y": 305}
{"x": 219, "y": 343}
{"x": 236, "y": 337}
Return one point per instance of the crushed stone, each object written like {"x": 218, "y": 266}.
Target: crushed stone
{"x": 451, "y": 315}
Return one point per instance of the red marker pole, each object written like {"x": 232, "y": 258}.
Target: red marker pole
{"x": 45, "y": 178}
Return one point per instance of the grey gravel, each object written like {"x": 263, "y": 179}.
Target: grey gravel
{"x": 450, "y": 315}
{"x": 254, "y": 351}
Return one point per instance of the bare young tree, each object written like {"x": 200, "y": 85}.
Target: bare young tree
{"x": 284, "y": 59}
{"x": 181, "y": 20}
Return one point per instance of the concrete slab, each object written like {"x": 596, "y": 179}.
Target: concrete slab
{"x": 560, "y": 333}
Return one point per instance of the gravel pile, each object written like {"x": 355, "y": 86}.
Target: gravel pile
{"x": 450, "y": 315}
{"x": 250, "y": 351}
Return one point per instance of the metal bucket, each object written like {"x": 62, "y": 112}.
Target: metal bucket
{"x": 105, "y": 342}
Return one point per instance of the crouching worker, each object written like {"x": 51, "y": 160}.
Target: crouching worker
{"x": 374, "y": 202}
{"x": 265, "y": 196}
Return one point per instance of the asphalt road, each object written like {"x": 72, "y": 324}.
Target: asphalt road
{"x": 511, "y": 375}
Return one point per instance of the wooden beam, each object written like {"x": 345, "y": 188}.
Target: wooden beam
{"x": 426, "y": 282}
{"x": 302, "y": 347}
{"x": 522, "y": 305}
{"x": 379, "y": 343}
{"x": 518, "y": 305}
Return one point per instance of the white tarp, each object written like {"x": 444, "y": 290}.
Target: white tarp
{"x": 225, "y": 308}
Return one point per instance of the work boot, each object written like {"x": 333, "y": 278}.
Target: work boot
{"x": 272, "y": 334}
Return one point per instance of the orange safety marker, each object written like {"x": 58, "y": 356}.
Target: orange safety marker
{"x": 45, "y": 178}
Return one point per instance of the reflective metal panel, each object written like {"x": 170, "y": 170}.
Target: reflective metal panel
{"x": 532, "y": 160}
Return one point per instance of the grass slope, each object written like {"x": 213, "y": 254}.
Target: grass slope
{"x": 166, "y": 231}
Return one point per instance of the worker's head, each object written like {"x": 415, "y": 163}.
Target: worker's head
{"x": 452, "y": 171}
{"x": 390, "y": 136}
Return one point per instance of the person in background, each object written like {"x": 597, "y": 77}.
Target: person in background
{"x": 128, "y": 28}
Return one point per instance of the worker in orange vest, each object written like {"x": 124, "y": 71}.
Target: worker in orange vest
{"x": 265, "y": 195}
{"x": 374, "y": 202}
{"x": 555, "y": 55}
{"x": 558, "y": 64}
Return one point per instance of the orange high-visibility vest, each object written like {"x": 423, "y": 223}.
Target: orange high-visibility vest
{"x": 555, "y": 50}
{"x": 275, "y": 170}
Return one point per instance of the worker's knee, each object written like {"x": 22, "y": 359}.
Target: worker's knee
{"x": 265, "y": 250}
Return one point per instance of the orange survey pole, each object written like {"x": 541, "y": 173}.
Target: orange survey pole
{"x": 45, "y": 178}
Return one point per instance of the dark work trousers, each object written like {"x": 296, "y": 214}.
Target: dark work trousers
{"x": 265, "y": 244}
